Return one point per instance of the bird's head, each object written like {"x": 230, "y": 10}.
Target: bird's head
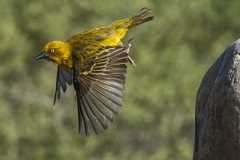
{"x": 56, "y": 52}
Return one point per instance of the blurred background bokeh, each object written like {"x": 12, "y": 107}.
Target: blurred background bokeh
{"x": 156, "y": 121}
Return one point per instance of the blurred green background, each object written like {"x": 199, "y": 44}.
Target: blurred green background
{"x": 172, "y": 52}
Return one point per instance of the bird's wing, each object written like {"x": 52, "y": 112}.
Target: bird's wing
{"x": 63, "y": 76}
{"x": 99, "y": 88}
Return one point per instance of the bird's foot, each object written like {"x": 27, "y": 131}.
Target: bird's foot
{"x": 129, "y": 58}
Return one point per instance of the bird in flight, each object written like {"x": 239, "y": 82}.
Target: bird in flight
{"x": 95, "y": 62}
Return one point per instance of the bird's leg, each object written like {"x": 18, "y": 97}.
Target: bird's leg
{"x": 129, "y": 58}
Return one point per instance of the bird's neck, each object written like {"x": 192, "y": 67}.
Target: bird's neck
{"x": 67, "y": 64}
{"x": 66, "y": 58}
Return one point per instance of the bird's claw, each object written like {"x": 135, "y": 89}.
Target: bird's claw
{"x": 129, "y": 58}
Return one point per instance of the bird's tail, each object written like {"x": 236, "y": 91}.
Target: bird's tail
{"x": 140, "y": 17}
{"x": 122, "y": 26}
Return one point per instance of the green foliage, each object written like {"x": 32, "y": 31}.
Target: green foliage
{"x": 172, "y": 53}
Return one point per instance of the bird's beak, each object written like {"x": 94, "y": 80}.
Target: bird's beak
{"x": 42, "y": 55}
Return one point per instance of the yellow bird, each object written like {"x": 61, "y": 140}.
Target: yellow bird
{"x": 95, "y": 61}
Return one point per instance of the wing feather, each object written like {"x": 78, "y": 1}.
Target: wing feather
{"x": 63, "y": 77}
{"x": 100, "y": 88}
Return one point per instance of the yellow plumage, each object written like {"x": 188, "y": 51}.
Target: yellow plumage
{"x": 95, "y": 60}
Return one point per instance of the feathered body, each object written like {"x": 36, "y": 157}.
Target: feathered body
{"x": 96, "y": 60}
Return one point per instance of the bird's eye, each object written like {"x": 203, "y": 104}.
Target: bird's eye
{"x": 52, "y": 50}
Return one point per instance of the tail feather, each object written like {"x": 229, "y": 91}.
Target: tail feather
{"x": 142, "y": 12}
{"x": 122, "y": 26}
{"x": 141, "y": 17}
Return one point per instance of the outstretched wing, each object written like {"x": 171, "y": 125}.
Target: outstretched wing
{"x": 99, "y": 88}
{"x": 63, "y": 76}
